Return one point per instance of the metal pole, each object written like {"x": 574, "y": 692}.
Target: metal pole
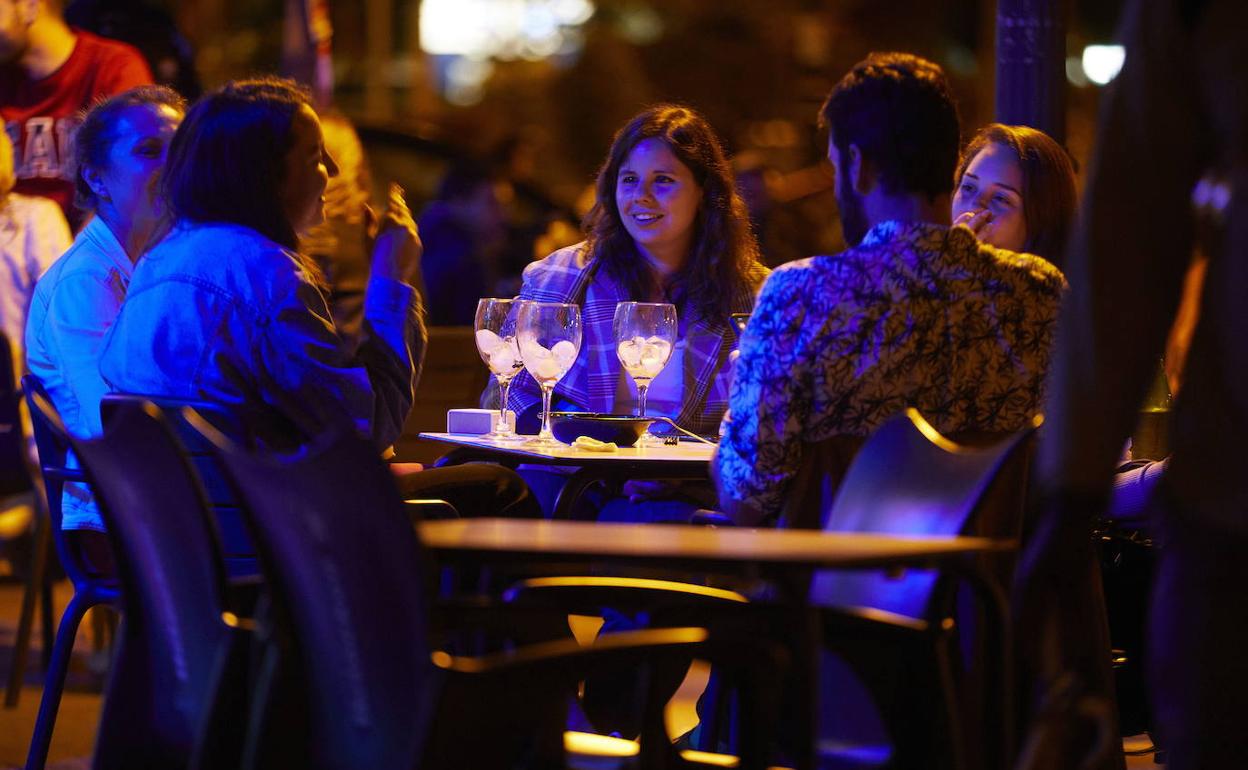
{"x": 1031, "y": 65}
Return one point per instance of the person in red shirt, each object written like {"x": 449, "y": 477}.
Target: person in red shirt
{"x": 49, "y": 72}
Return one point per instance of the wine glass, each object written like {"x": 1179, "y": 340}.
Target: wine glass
{"x": 495, "y": 326}
{"x": 549, "y": 334}
{"x": 644, "y": 335}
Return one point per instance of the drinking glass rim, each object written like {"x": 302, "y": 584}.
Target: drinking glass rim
{"x": 645, "y": 304}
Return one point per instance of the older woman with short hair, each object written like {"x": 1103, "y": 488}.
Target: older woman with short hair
{"x": 120, "y": 150}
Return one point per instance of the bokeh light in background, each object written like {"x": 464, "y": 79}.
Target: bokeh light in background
{"x": 464, "y": 36}
{"x": 537, "y": 88}
{"x": 1102, "y": 63}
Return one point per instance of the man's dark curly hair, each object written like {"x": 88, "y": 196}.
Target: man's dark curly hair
{"x": 898, "y": 110}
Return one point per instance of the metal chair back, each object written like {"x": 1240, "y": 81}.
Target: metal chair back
{"x": 907, "y": 479}
{"x": 175, "y": 644}
{"x": 236, "y": 545}
{"x": 348, "y": 582}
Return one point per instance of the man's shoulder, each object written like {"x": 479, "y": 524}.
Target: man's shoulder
{"x": 800, "y": 269}
{"x": 115, "y": 66}
{"x": 1034, "y": 271}
{"x": 99, "y": 48}
{"x": 815, "y": 273}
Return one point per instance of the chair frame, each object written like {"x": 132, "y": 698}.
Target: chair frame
{"x": 533, "y": 670}
{"x": 18, "y": 477}
{"x": 180, "y": 661}
{"x": 53, "y": 442}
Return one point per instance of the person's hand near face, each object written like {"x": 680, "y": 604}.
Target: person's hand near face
{"x": 989, "y": 199}
{"x": 397, "y": 250}
{"x": 308, "y": 169}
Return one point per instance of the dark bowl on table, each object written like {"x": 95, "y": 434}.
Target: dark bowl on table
{"x": 622, "y": 429}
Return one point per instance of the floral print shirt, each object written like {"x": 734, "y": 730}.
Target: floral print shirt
{"x": 916, "y": 315}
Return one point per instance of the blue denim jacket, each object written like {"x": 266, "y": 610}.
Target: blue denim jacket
{"x": 218, "y": 312}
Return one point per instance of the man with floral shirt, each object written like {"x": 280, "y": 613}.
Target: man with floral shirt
{"x": 915, "y": 314}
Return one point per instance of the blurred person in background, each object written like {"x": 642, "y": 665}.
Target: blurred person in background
{"x": 147, "y": 27}
{"x": 529, "y": 213}
{"x": 463, "y": 230}
{"x": 226, "y": 309}
{"x": 1171, "y": 160}
{"x": 340, "y": 245}
{"x": 33, "y": 233}
{"x": 120, "y": 151}
{"x": 49, "y": 73}
{"x": 1015, "y": 189}
{"x": 753, "y": 177}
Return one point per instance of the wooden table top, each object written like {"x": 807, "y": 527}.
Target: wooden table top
{"x": 691, "y": 453}
{"x": 690, "y": 545}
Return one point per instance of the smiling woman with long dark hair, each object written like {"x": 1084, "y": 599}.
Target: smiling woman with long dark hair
{"x": 667, "y": 226}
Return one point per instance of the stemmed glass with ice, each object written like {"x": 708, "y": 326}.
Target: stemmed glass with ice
{"x": 549, "y": 336}
{"x": 495, "y": 326}
{"x": 644, "y": 335}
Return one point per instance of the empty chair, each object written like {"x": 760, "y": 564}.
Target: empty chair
{"x": 349, "y": 584}
{"x": 909, "y": 480}
{"x": 894, "y": 695}
{"x": 90, "y": 589}
{"x": 176, "y": 653}
{"x": 897, "y": 630}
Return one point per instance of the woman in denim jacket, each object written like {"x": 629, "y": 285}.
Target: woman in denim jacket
{"x": 226, "y": 309}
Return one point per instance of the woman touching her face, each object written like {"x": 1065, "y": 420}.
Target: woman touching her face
{"x": 1015, "y": 189}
